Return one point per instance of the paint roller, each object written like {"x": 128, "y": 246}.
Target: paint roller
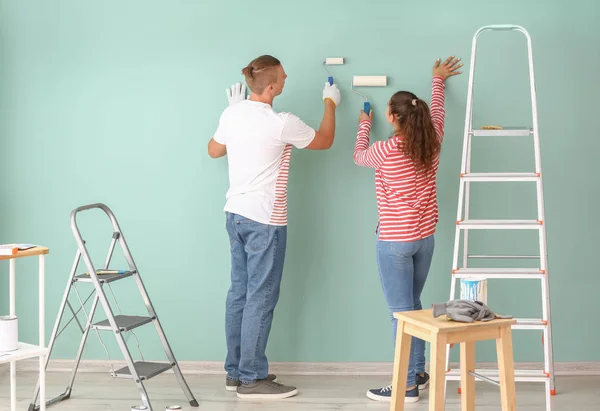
{"x": 332, "y": 61}
{"x": 367, "y": 81}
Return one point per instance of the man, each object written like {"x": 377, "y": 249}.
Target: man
{"x": 258, "y": 142}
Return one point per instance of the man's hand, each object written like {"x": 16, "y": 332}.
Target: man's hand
{"x": 236, "y": 94}
{"x": 447, "y": 68}
{"x": 333, "y": 93}
{"x": 364, "y": 116}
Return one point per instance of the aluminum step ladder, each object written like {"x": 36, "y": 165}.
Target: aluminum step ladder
{"x": 118, "y": 324}
{"x": 464, "y": 224}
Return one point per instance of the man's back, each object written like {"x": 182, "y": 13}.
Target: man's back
{"x": 259, "y": 144}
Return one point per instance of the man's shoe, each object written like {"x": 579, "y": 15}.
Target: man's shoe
{"x": 265, "y": 390}
{"x": 231, "y": 385}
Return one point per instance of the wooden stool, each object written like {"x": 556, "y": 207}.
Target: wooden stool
{"x": 439, "y": 332}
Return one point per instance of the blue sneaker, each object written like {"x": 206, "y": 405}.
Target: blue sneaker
{"x": 422, "y": 382}
{"x": 385, "y": 394}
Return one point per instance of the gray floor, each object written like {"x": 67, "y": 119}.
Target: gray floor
{"x": 95, "y": 392}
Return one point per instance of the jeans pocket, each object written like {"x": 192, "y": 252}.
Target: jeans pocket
{"x": 255, "y": 234}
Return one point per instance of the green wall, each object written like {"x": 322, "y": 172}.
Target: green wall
{"x": 115, "y": 101}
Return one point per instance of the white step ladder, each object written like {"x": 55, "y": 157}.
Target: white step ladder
{"x": 464, "y": 224}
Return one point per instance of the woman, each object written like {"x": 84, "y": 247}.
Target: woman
{"x": 405, "y": 171}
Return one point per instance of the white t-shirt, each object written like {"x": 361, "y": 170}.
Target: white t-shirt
{"x": 259, "y": 145}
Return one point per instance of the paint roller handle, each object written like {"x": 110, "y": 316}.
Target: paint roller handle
{"x": 330, "y": 80}
{"x": 367, "y": 107}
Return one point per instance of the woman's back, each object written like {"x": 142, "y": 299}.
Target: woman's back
{"x": 406, "y": 190}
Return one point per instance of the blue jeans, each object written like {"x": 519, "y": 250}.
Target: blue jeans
{"x": 257, "y": 256}
{"x": 403, "y": 269}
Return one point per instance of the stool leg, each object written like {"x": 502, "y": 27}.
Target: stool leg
{"x": 467, "y": 381}
{"x": 506, "y": 368}
{"x": 401, "y": 358}
{"x": 438, "y": 373}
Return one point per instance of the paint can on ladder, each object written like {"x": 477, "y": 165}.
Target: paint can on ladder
{"x": 473, "y": 289}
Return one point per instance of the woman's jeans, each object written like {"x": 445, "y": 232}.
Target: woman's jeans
{"x": 403, "y": 269}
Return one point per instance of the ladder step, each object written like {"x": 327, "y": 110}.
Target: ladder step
{"x": 514, "y": 273}
{"x": 499, "y": 224}
{"x": 520, "y": 375}
{"x": 500, "y": 177}
{"x": 498, "y": 256}
{"x": 124, "y": 322}
{"x": 505, "y": 132}
{"x": 104, "y": 278}
{"x": 144, "y": 369}
{"x": 530, "y": 324}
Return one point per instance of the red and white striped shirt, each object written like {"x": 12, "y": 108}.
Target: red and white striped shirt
{"x": 406, "y": 200}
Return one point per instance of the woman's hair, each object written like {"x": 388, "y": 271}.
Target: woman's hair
{"x": 413, "y": 121}
{"x": 260, "y": 73}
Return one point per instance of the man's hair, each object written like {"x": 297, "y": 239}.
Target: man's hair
{"x": 261, "y": 72}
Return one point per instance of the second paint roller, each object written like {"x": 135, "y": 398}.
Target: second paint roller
{"x": 367, "y": 81}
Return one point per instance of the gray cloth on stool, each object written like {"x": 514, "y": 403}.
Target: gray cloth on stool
{"x": 466, "y": 311}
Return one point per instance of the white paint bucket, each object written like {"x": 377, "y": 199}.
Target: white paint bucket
{"x": 473, "y": 289}
{"x": 9, "y": 333}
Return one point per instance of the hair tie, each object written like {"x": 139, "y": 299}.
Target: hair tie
{"x": 414, "y": 102}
